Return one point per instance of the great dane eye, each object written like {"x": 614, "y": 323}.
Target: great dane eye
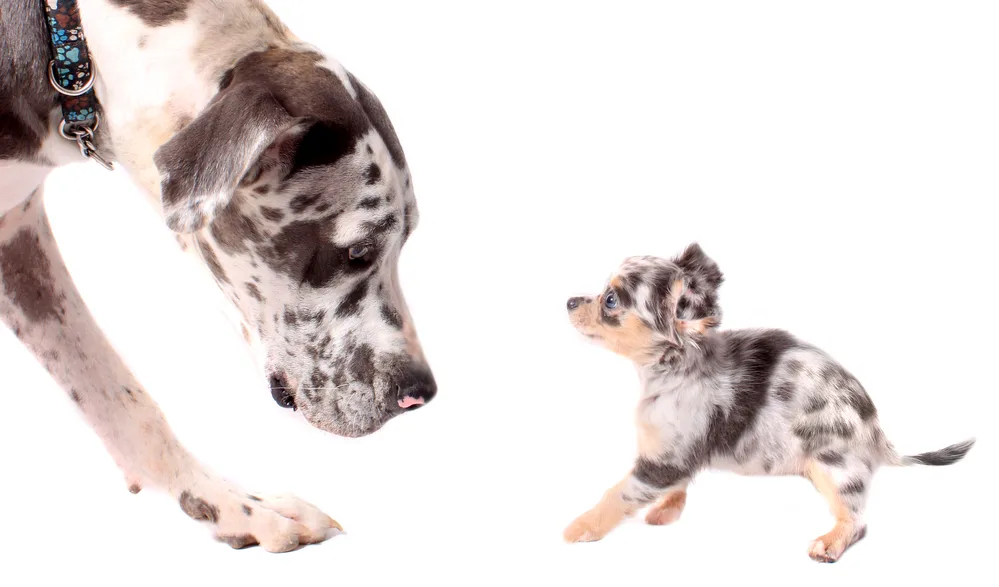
{"x": 610, "y": 300}
{"x": 357, "y": 252}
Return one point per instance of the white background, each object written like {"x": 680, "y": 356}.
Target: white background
{"x": 838, "y": 160}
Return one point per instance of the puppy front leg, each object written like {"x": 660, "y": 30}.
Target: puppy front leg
{"x": 647, "y": 482}
{"x": 39, "y": 302}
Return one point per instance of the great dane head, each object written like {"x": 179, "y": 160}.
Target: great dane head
{"x": 295, "y": 190}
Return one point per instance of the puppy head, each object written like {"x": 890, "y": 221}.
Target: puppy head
{"x": 295, "y": 189}
{"x": 652, "y": 304}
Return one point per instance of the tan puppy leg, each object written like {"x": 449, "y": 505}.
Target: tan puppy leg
{"x": 848, "y": 529}
{"x": 668, "y": 509}
{"x": 596, "y": 523}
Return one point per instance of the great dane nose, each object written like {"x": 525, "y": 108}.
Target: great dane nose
{"x": 281, "y": 392}
{"x": 416, "y": 388}
{"x": 573, "y": 303}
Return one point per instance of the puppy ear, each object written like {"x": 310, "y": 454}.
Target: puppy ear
{"x": 683, "y": 326}
{"x": 701, "y": 279}
{"x": 202, "y": 164}
{"x": 695, "y": 263}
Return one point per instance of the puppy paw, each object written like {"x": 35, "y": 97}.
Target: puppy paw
{"x": 276, "y": 523}
{"x": 829, "y": 548}
{"x": 661, "y": 516}
{"x": 584, "y": 529}
{"x": 826, "y": 553}
{"x": 668, "y": 510}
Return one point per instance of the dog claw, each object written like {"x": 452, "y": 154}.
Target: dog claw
{"x": 336, "y": 525}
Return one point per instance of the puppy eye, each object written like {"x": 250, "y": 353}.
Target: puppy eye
{"x": 610, "y": 300}
{"x": 357, "y": 252}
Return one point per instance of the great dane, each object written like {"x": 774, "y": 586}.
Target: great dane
{"x": 276, "y": 168}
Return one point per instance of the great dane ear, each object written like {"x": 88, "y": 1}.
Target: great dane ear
{"x": 202, "y": 164}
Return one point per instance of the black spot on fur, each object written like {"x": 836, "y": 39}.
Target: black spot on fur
{"x": 212, "y": 261}
{"x": 857, "y": 397}
{"x": 391, "y": 316}
{"x": 658, "y": 474}
{"x": 382, "y": 225}
{"x": 289, "y": 250}
{"x": 231, "y": 229}
{"x": 272, "y": 214}
{"x": 784, "y": 392}
{"x": 372, "y": 174}
{"x": 815, "y": 403}
{"x": 795, "y": 367}
{"x": 756, "y": 355}
{"x": 362, "y": 365}
{"x": 624, "y": 296}
{"x": 254, "y": 498}
{"x": 301, "y": 202}
{"x": 254, "y": 291}
{"x": 76, "y": 396}
{"x": 351, "y": 304}
{"x": 609, "y": 319}
{"x": 854, "y": 486}
{"x": 27, "y": 280}
{"x": 369, "y": 203}
{"x": 247, "y": 510}
{"x": 323, "y": 144}
{"x": 157, "y": 12}
{"x": 830, "y": 458}
{"x": 816, "y": 436}
{"x": 197, "y": 508}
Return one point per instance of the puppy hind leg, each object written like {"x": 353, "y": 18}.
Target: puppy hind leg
{"x": 844, "y": 486}
{"x": 668, "y": 509}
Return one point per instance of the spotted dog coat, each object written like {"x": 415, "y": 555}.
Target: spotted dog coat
{"x": 278, "y": 170}
{"x": 756, "y": 402}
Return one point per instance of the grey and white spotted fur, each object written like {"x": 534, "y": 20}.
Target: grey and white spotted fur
{"x": 756, "y": 402}
{"x": 279, "y": 171}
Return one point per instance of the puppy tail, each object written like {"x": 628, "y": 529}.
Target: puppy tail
{"x": 938, "y": 458}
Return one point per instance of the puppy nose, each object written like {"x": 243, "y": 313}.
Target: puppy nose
{"x": 573, "y": 303}
{"x": 281, "y": 392}
{"x": 416, "y": 388}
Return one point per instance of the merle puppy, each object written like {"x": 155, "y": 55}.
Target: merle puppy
{"x": 750, "y": 401}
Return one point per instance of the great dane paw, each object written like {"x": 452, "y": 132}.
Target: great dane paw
{"x": 277, "y": 523}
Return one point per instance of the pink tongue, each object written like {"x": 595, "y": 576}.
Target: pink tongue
{"x": 408, "y": 402}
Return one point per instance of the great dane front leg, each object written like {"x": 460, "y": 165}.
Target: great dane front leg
{"x": 39, "y": 302}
